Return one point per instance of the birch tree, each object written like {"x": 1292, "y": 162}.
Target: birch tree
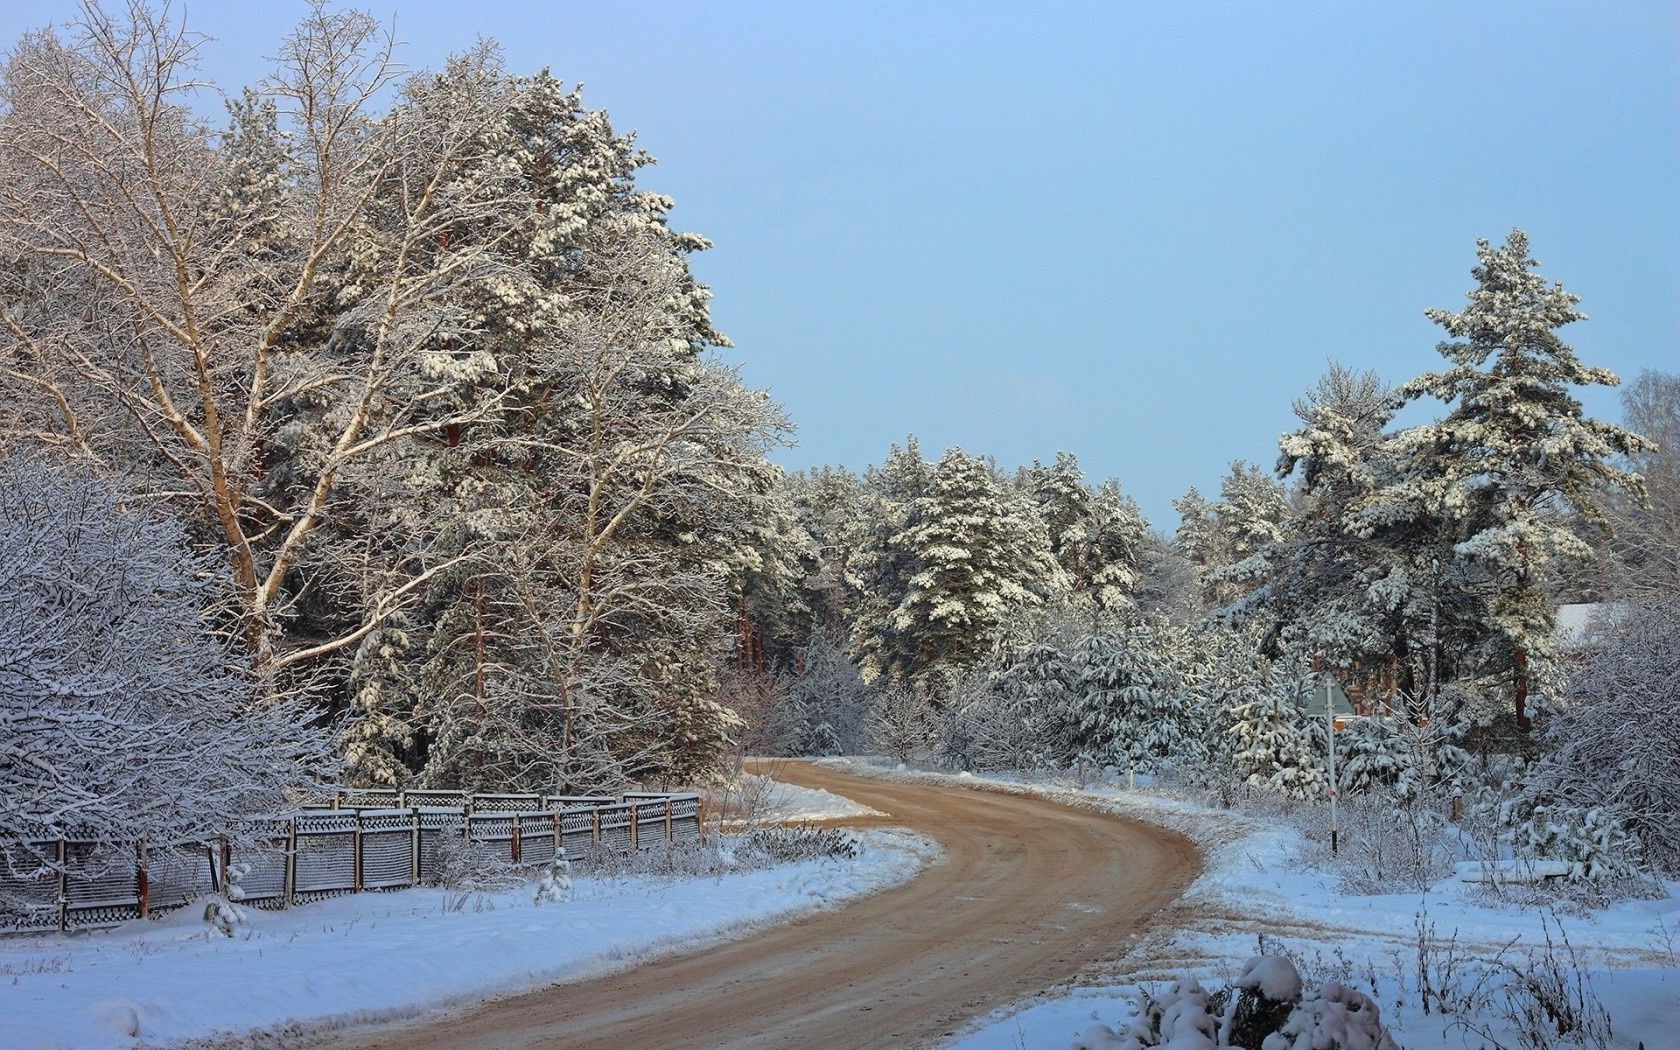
{"x": 259, "y": 316}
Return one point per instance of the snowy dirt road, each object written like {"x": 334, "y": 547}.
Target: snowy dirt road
{"x": 1028, "y": 893}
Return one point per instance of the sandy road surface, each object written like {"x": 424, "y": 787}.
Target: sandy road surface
{"x": 1028, "y": 892}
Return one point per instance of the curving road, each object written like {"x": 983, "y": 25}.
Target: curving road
{"x": 1029, "y": 891}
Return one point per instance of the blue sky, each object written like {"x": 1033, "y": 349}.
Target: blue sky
{"x": 1132, "y": 231}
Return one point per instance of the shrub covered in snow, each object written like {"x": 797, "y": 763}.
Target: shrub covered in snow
{"x": 1614, "y": 746}
{"x": 556, "y": 882}
{"x": 466, "y": 866}
{"x": 121, "y": 710}
{"x": 783, "y": 845}
{"x": 1266, "y": 1008}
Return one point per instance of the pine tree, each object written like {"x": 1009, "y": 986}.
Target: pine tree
{"x": 880, "y": 566}
{"x": 1272, "y": 736}
{"x": 1515, "y": 458}
{"x": 979, "y": 556}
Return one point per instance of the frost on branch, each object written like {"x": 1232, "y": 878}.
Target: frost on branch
{"x": 121, "y": 716}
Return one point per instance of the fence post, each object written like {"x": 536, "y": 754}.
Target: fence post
{"x": 289, "y": 891}
{"x": 414, "y": 846}
{"x": 635, "y": 826}
{"x": 227, "y": 859}
{"x": 516, "y": 842}
{"x": 559, "y": 835}
{"x": 668, "y": 839}
{"x": 700, "y": 818}
{"x": 63, "y": 887}
{"x": 142, "y": 883}
{"x": 356, "y": 845}
{"x": 597, "y": 822}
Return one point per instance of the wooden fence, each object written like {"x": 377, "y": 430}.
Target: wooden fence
{"x": 348, "y": 841}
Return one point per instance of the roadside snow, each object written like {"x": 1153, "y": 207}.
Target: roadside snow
{"x": 792, "y": 804}
{"x": 382, "y": 955}
{"x": 1256, "y": 886}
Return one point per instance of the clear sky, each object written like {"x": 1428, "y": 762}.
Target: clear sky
{"x": 1131, "y": 231}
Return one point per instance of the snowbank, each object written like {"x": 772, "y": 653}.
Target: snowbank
{"x": 791, "y": 803}
{"x": 381, "y": 955}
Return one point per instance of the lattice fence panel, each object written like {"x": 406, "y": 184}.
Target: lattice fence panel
{"x": 264, "y": 883}
{"x": 387, "y": 850}
{"x": 685, "y": 818}
{"x": 506, "y": 803}
{"x": 102, "y": 889}
{"x": 178, "y": 874}
{"x": 28, "y": 902}
{"x": 494, "y": 829}
{"x": 569, "y": 802}
{"x": 536, "y": 838}
{"x": 615, "y": 828}
{"x": 440, "y": 799}
{"x": 326, "y": 855}
{"x": 368, "y": 798}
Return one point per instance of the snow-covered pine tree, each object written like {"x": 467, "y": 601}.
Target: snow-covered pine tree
{"x": 1321, "y": 588}
{"x": 1096, "y": 536}
{"x": 1515, "y": 459}
{"x": 1272, "y": 734}
{"x": 1131, "y": 702}
{"x": 980, "y": 554}
{"x": 1248, "y": 517}
{"x": 880, "y": 565}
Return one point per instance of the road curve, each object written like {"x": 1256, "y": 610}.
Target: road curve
{"x": 1028, "y": 892}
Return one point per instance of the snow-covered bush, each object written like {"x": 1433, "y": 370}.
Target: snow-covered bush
{"x": 223, "y": 916}
{"x": 1594, "y": 842}
{"x": 1332, "y": 1017}
{"x": 785, "y": 845}
{"x": 833, "y": 695}
{"x": 901, "y": 722}
{"x": 555, "y": 885}
{"x": 466, "y": 867}
{"x": 1613, "y": 748}
{"x": 1386, "y": 844}
{"x": 1266, "y": 1008}
{"x": 989, "y": 724}
{"x": 123, "y": 716}
{"x": 1371, "y": 755}
{"x": 1274, "y": 739}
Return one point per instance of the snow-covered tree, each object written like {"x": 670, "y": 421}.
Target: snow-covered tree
{"x": 827, "y": 686}
{"x": 1615, "y": 744}
{"x": 1095, "y": 536}
{"x": 1327, "y": 585}
{"x": 1248, "y": 516}
{"x": 979, "y": 555}
{"x": 1272, "y": 736}
{"x": 901, "y": 722}
{"x": 1644, "y": 555}
{"x": 879, "y": 563}
{"x": 1132, "y": 703}
{"x": 122, "y": 715}
{"x": 1516, "y": 462}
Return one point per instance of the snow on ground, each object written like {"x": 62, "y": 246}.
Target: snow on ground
{"x": 1255, "y": 885}
{"x": 792, "y": 804}
{"x": 379, "y": 955}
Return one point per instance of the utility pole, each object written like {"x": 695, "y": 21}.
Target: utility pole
{"x": 1330, "y": 724}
